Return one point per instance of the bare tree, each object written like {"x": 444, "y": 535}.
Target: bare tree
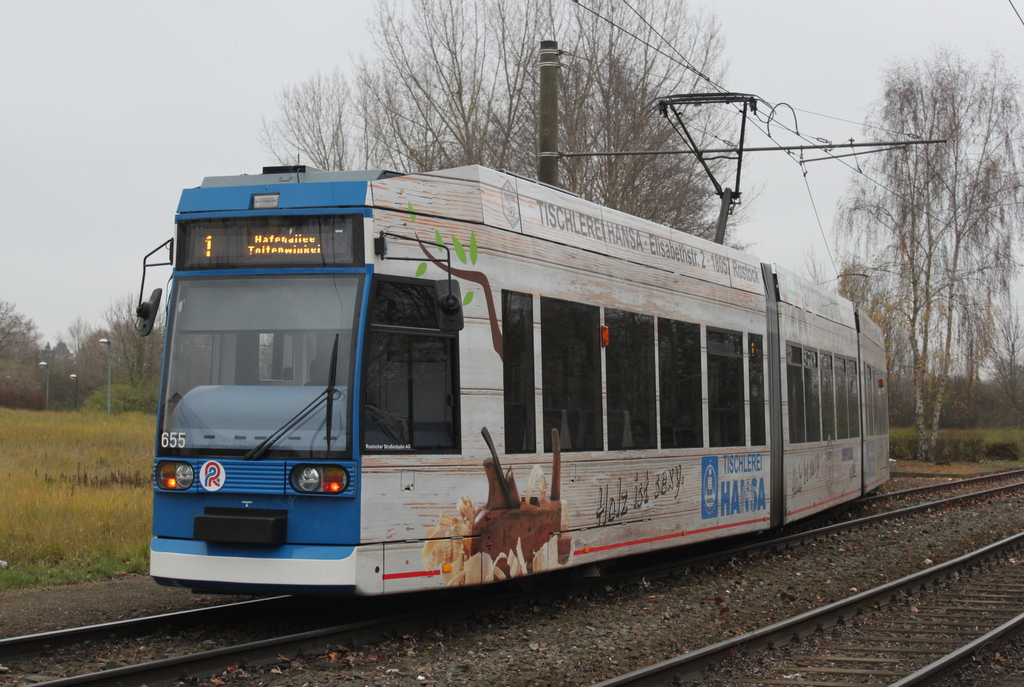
{"x": 136, "y": 359}
{"x": 815, "y": 270}
{"x": 614, "y": 71}
{"x": 1008, "y": 357}
{"x": 453, "y": 83}
{"x": 18, "y": 334}
{"x": 933, "y": 227}
{"x": 315, "y": 119}
{"x": 90, "y": 358}
{"x": 456, "y": 83}
{"x": 77, "y": 335}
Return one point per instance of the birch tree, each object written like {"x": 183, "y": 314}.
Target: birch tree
{"x": 934, "y": 227}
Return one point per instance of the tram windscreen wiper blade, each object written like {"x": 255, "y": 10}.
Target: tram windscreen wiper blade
{"x": 257, "y": 451}
{"x": 331, "y": 379}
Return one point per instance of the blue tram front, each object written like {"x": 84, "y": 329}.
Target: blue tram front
{"x": 256, "y": 480}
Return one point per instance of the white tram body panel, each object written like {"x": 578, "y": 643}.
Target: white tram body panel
{"x": 536, "y": 240}
{"x": 824, "y": 469}
{"x": 876, "y": 406}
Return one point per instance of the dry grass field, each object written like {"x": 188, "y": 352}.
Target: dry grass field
{"x": 75, "y": 496}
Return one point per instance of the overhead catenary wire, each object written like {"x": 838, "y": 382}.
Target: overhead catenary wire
{"x": 683, "y": 62}
{"x": 1016, "y": 12}
{"x": 888, "y": 145}
{"x": 757, "y": 122}
{"x": 817, "y": 218}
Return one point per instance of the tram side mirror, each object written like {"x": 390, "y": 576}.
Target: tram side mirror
{"x": 449, "y": 305}
{"x": 146, "y": 312}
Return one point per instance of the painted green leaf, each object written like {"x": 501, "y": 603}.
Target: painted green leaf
{"x": 438, "y": 240}
{"x": 472, "y": 247}
{"x": 421, "y": 269}
{"x": 459, "y": 249}
{"x": 468, "y": 298}
{"x": 412, "y": 213}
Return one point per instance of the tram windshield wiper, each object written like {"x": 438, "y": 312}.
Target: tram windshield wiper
{"x": 325, "y": 396}
{"x": 331, "y": 380}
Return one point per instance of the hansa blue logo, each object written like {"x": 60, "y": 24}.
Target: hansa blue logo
{"x": 709, "y": 487}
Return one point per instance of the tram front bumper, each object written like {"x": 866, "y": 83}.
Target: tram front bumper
{"x": 231, "y": 568}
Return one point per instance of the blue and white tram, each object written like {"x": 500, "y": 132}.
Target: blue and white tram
{"x": 377, "y": 383}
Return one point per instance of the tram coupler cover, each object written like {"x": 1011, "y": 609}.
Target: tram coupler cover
{"x": 241, "y": 526}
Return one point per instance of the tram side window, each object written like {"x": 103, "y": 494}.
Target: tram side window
{"x": 404, "y": 304}
{"x": 757, "y": 428}
{"x": 869, "y": 402}
{"x": 725, "y": 388}
{"x": 828, "y": 399}
{"x": 410, "y": 382}
{"x": 571, "y": 374}
{"x": 795, "y": 387}
{"x": 852, "y": 398}
{"x": 842, "y": 400}
{"x": 682, "y": 418}
{"x": 883, "y": 404}
{"x": 812, "y": 396}
{"x": 517, "y": 357}
{"x": 875, "y": 419}
{"x": 629, "y": 360}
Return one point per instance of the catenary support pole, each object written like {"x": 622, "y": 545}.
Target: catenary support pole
{"x": 547, "y": 134}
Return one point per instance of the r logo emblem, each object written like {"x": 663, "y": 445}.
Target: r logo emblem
{"x": 212, "y": 475}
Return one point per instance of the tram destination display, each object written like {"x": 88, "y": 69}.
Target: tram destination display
{"x": 275, "y": 241}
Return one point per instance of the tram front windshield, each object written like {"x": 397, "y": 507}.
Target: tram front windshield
{"x": 248, "y": 355}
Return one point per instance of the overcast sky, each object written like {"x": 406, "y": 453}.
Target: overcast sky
{"x": 109, "y": 109}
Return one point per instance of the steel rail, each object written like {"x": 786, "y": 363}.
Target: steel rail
{"x": 951, "y": 662}
{"x": 674, "y": 670}
{"x": 937, "y": 487}
{"x": 28, "y": 645}
{"x": 261, "y": 652}
{"x": 867, "y": 520}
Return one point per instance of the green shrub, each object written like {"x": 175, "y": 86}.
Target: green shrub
{"x": 958, "y": 447}
{"x": 1002, "y": 450}
{"x": 124, "y": 398}
{"x": 903, "y": 445}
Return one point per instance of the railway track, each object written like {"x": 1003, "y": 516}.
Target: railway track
{"x": 434, "y": 609}
{"x": 955, "y": 484}
{"x": 914, "y": 631}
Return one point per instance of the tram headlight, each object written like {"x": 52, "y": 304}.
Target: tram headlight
{"x": 319, "y": 479}
{"x": 307, "y": 479}
{"x": 174, "y": 476}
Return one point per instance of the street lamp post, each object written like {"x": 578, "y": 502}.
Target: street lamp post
{"x": 106, "y": 345}
{"x": 46, "y": 368}
{"x": 74, "y": 377}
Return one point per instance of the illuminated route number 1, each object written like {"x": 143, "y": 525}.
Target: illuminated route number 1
{"x": 209, "y": 245}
